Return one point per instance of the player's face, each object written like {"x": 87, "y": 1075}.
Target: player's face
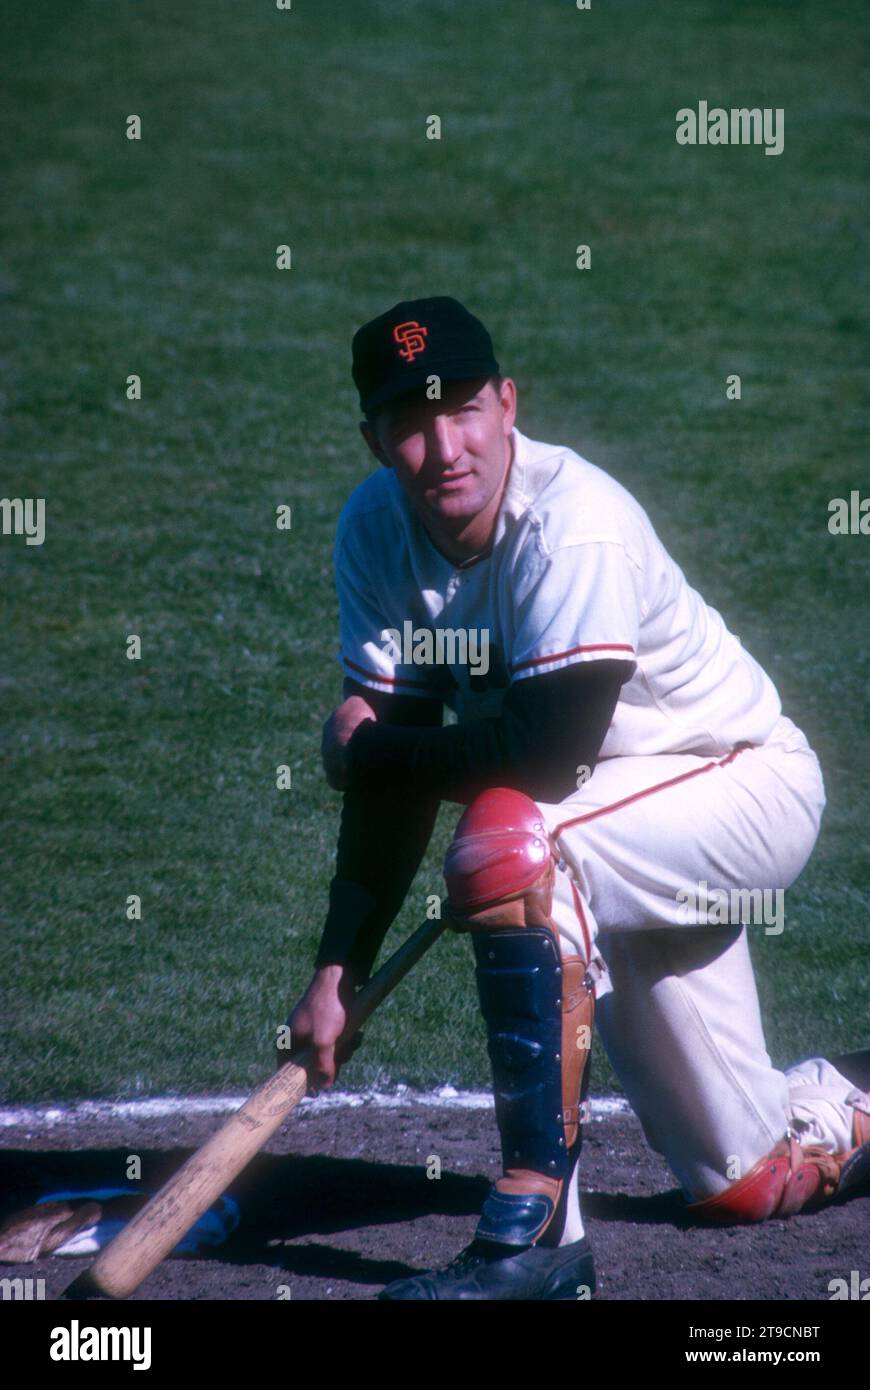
{"x": 450, "y": 456}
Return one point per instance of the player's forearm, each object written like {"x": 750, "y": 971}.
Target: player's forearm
{"x": 549, "y": 726}
{"x": 380, "y": 846}
{"x": 458, "y": 762}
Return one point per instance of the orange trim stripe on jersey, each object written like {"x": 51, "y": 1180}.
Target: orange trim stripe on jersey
{"x": 573, "y": 651}
{"x": 385, "y": 680}
{"x": 648, "y": 791}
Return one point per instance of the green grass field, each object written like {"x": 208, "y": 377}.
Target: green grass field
{"x": 157, "y": 257}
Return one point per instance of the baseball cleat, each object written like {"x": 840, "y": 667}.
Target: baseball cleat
{"x": 483, "y": 1270}
{"x": 855, "y": 1170}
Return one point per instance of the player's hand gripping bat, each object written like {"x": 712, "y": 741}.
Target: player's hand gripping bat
{"x": 160, "y": 1225}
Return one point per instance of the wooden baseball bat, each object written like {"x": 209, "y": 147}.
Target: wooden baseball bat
{"x": 159, "y": 1226}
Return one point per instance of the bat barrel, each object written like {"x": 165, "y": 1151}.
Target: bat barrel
{"x": 156, "y": 1230}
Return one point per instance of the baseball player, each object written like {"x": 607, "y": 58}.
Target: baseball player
{"x": 626, "y": 769}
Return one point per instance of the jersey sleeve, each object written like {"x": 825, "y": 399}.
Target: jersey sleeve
{"x": 371, "y": 645}
{"x": 579, "y": 603}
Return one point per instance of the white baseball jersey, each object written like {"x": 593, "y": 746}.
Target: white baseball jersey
{"x": 577, "y": 573}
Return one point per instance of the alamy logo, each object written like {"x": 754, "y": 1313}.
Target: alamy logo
{"x": 741, "y": 125}
{"x": 76, "y": 1343}
{"x": 744, "y": 906}
{"x": 856, "y": 1288}
{"x": 22, "y": 1290}
{"x": 850, "y": 517}
{"x": 440, "y": 646}
{"x": 19, "y": 520}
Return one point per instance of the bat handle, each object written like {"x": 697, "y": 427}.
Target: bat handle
{"x": 375, "y": 990}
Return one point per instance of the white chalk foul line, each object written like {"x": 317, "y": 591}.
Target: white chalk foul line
{"x": 156, "y": 1107}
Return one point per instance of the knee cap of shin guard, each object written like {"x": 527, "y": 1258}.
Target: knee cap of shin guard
{"x": 500, "y": 850}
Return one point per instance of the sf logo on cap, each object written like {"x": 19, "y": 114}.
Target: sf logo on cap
{"x": 412, "y": 336}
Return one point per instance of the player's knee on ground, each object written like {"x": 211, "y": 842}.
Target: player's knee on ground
{"x": 537, "y": 1004}
{"x": 791, "y": 1178}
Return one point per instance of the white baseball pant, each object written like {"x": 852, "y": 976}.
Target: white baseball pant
{"x": 677, "y": 1007}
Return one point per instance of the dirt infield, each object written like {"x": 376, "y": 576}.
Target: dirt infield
{"x": 339, "y": 1204}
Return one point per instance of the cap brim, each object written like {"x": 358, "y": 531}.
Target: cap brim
{"x": 415, "y": 377}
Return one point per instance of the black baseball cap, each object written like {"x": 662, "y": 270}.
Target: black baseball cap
{"x": 418, "y": 338}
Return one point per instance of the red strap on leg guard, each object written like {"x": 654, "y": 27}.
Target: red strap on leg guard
{"x": 780, "y": 1184}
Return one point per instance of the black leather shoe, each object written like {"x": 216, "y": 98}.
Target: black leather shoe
{"x": 485, "y": 1270}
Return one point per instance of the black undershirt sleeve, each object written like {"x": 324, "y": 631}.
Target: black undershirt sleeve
{"x": 381, "y": 842}
{"x": 405, "y": 762}
{"x": 549, "y": 726}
